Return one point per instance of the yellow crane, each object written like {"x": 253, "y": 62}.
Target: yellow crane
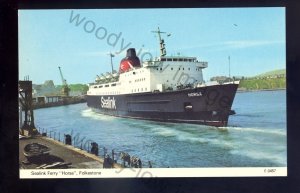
{"x": 65, "y": 88}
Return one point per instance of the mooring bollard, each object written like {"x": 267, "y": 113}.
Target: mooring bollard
{"x": 108, "y": 162}
{"x": 95, "y": 148}
{"x": 68, "y": 139}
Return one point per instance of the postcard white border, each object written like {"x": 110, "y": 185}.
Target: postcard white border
{"x": 153, "y": 172}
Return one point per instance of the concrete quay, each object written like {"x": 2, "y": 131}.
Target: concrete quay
{"x": 59, "y": 152}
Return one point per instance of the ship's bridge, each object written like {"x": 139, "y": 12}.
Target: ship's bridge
{"x": 158, "y": 61}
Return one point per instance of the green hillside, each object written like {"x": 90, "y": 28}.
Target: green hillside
{"x": 76, "y": 87}
{"x": 273, "y": 73}
{"x": 275, "y": 79}
{"x": 258, "y": 84}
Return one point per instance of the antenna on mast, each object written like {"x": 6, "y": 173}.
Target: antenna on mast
{"x": 162, "y": 44}
{"x": 111, "y": 63}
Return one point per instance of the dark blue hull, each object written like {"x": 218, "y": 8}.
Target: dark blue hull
{"x": 210, "y": 105}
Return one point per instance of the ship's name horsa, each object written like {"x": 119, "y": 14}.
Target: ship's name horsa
{"x": 109, "y": 103}
{"x": 194, "y": 94}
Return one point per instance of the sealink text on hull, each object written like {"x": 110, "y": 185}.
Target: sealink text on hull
{"x": 169, "y": 89}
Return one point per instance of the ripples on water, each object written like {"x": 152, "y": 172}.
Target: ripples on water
{"x": 252, "y": 139}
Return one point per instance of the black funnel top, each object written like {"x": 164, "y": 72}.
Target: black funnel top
{"x": 131, "y": 52}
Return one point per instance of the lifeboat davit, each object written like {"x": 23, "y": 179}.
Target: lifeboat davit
{"x": 131, "y": 61}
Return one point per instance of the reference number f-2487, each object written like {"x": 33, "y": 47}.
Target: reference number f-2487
{"x": 270, "y": 170}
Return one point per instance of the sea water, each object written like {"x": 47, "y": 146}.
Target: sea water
{"x": 255, "y": 136}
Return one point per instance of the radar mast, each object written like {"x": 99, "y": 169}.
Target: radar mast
{"x": 162, "y": 44}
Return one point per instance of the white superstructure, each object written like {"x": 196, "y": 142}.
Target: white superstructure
{"x": 162, "y": 74}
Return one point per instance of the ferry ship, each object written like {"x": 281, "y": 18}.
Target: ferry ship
{"x": 167, "y": 89}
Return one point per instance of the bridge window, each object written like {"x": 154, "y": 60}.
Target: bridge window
{"x": 175, "y": 59}
{"x": 171, "y": 68}
{"x": 107, "y": 85}
{"x": 180, "y": 59}
{"x": 169, "y": 59}
{"x": 163, "y": 59}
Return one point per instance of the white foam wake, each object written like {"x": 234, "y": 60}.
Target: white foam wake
{"x": 245, "y": 142}
{"x": 96, "y": 116}
{"x": 257, "y": 130}
{"x": 192, "y": 136}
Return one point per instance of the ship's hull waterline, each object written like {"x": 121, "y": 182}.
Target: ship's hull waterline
{"x": 208, "y": 105}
